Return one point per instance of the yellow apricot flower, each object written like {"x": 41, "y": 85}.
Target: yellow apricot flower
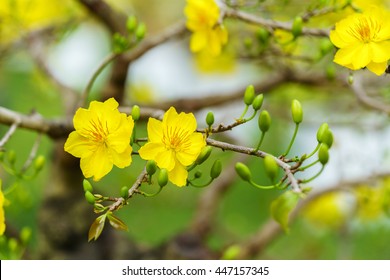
{"x": 363, "y": 40}
{"x": 173, "y": 144}
{"x": 2, "y": 216}
{"x": 207, "y": 33}
{"x": 101, "y": 138}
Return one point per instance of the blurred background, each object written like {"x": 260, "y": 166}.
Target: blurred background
{"x": 46, "y": 46}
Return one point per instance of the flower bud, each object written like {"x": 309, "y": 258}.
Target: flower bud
{"x": 198, "y": 174}
{"x": 248, "y": 43}
{"x": 135, "y": 113}
{"x": 350, "y": 79}
{"x": 271, "y": 167}
{"x": 162, "y": 178}
{"x": 25, "y": 235}
{"x": 296, "y": 29}
{"x": 264, "y": 121}
{"x": 210, "y": 118}
{"x": 131, "y": 24}
{"x": 297, "y": 112}
{"x": 326, "y": 46}
{"x": 328, "y": 138}
{"x": 87, "y": 186}
{"x": 323, "y": 154}
{"x": 204, "y": 154}
{"x": 151, "y": 167}
{"x": 231, "y": 253}
{"x": 258, "y": 102}
{"x": 243, "y": 171}
{"x": 89, "y": 197}
{"x": 216, "y": 169}
{"x": 262, "y": 35}
{"x": 249, "y": 95}
{"x": 39, "y": 162}
{"x": 124, "y": 192}
{"x": 140, "y": 31}
{"x": 11, "y": 156}
{"x": 321, "y": 132}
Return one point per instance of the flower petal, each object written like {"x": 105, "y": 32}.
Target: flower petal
{"x": 194, "y": 145}
{"x": 155, "y": 130}
{"x": 97, "y": 164}
{"x": 178, "y": 175}
{"x": 123, "y": 159}
{"x": 78, "y": 145}
{"x": 119, "y": 139}
{"x": 198, "y": 41}
{"x": 377, "y": 68}
{"x": 151, "y": 150}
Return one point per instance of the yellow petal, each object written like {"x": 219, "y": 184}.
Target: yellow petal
{"x": 362, "y": 56}
{"x": 380, "y": 51}
{"x": 150, "y": 150}
{"x": 178, "y": 175}
{"x": 123, "y": 159}
{"x": 198, "y": 41}
{"x": 165, "y": 159}
{"x": 155, "y": 130}
{"x": 193, "y": 148}
{"x": 120, "y": 138}
{"x": 78, "y": 145}
{"x": 97, "y": 165}
{"x": 377, "y": 68}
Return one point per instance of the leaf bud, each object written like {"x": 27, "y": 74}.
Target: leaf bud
{"x": 297, "y": 112}
{"x": 131, "y": 23}
{"x": 323, "y": 154}
{"x": 140, "y": 31}
{"x": 210, "y": 118}
{"x": 264, "y": 121}
{"x": 296, "y": 28}
{"x": 262, "y": 35}
{"x": 89, "y": 197}
{"x": 258, "y": 102}
{"x": 11, "y": 156}
{"x": 216, "y": 169}
{"x": 87, "y": 186}
{"x": 162, "y": 178}
{"x": 39, "y": 162}
{"x": 204, "y": 154}
{"x": 135, "y": 113}
{"x": 124, "y": 192}
{"x": 321, "y": 132}
{"x": 271, "y": 167}
{"x": 151, "y": 167}
{"x": 243, "y": 171}
{"x": 249, "y": 95}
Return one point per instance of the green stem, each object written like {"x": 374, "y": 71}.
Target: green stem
{"x": 313, "y": 152}
{"x": 260, "y": 142}
{"x": 309, "y": 165}
{"x": 292, "y": 139}
{"x": 315, "y": 176}
{"x": 252, "y": 117}
{"x": 150, "y": 194}
{"x": 244, "y": 113}
{"x": 260, "y": 186}
{"x": 201, "y": 186}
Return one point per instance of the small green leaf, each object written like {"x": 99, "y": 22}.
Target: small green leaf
{"x": 116, "y": 223}
{"x": 96, "y": 228}
{"x": 282, "y": 207}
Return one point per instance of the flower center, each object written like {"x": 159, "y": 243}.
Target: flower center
{"x": 365, "y": 29}
{"x": 174, "y": 138}
{"x": 98, "y": 133}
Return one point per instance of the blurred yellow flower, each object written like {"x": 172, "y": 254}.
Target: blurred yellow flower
{"x": 207, "y": 33}
{"x": 2, "y": 216}
{"x": 363, "y": 40}
{"x": 373, "y": 202}
{"x": 173, "y": 144}
{"x": 101, "y": 138}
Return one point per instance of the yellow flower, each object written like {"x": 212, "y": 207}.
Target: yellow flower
{"x": 173, "y": 144}
{"x": 363, "y": 40}
{"x": 2, "y": 216}
{"x": 101, "y": 138}
{"x": 202, "y": 20}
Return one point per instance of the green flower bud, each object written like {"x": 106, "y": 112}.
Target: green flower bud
{"x": 120, "y": 43}
{"x": 248, "y": 43}
{"x": 350, "y": 79}
{"x": 162, "y": 178}
{"x": 249, "y": 95}
{"x": 131, "y": 24}
{"x": 231, "y": 253}
{"x": 297, "y": 112}
{"x": 271, "y": 167}
{"x": 89, "y": 197}
{"x": 140, "y": 31}
{"x": 258, "y": 102}
{"x": 328, "y": 138}
{"x": 39, "y": 162}
{"x": 11, "y": 156}
{"x": 262, "y": 35}
{"x": 323, "y": 154}
{"x": 210, "y": 118}
{"x": 243, "y": 171}
{"x": 13, "y": 244}
{"x": 264, "y": 121}
{"x": 216, "y": 169}
{"x": 135, "y": 113}
{"x": 25, "y": 235}
{"x": 326, "y": 46}
{"x": 321, "y": 132}
{"x": 198, "y": 174}
{"x": 151, "y": 167}
{"x": 297, "y": 25}
{"x": 204, "y": 154}
{"x": 87, "y": 186}
{"x": 124, "y": 192}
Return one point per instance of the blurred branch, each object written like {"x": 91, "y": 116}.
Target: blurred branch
{"x": 9, "y": 133}
{"x": 33, "y": 153}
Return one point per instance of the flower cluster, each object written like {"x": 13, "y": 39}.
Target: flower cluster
{"x": 102, "y": 139}
{"x": 363, "y": 40}
{"x": 208, "y": 33}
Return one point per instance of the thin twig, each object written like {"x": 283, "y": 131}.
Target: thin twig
{"x": 33, "y": 153}
{"x": 9, "y": 133}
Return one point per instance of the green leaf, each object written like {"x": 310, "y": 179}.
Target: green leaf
{"x": 282, "y": 207}
{"x": 96, "y": 228}
{"x": 116, "y": 223}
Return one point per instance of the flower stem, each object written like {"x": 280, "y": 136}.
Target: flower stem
{"x": 313, "y": 152}
{"x": 244, "y": 113}
{"x": 315, "y": 176}
{"x": 309, "y": 165}
{"x": 201, "y": 186}
{"x": 292, "y": 139}
{"x": 260, "y": 142}
{"x": 260, "y": 186}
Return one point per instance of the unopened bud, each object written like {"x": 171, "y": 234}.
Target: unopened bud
{"x": 89, "y": 197}
{"x": 296, "y": 29}
{"x": 124, "y": 192}
{"x": 135, "y": 113}
{"x": 11, "y": 156}
{"x": 248, "y": 43}
{"x": 323, "y": 154}
{"x": 25, "y": 235}
{"x": 210, "y": 118}
{"x": 297, "y": 112}
{"x": 151, "y": 167}
{"x": 243, "y": 171}
{"x": 39, "y": 162}
{"x": 249, "y": 95}
{"x": 271, "y": 167}
{"x": 87, "y": 186}
{"x": 350, "y": 79}
{"x": 140, "y": 31}
{"x": 328, "y": 138}
{"x": 216, "y": 169}
{"x": 204, "y": 154}
{"x": 231, "y": 253}
{"x": 162, "y": 178}
{"x": 258, "y": 102}
{"x": 131, "y": 24}
{"x": 264, "y": 121}
{"x": 262, "y": 35}
{"x": 321, "y": 132}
